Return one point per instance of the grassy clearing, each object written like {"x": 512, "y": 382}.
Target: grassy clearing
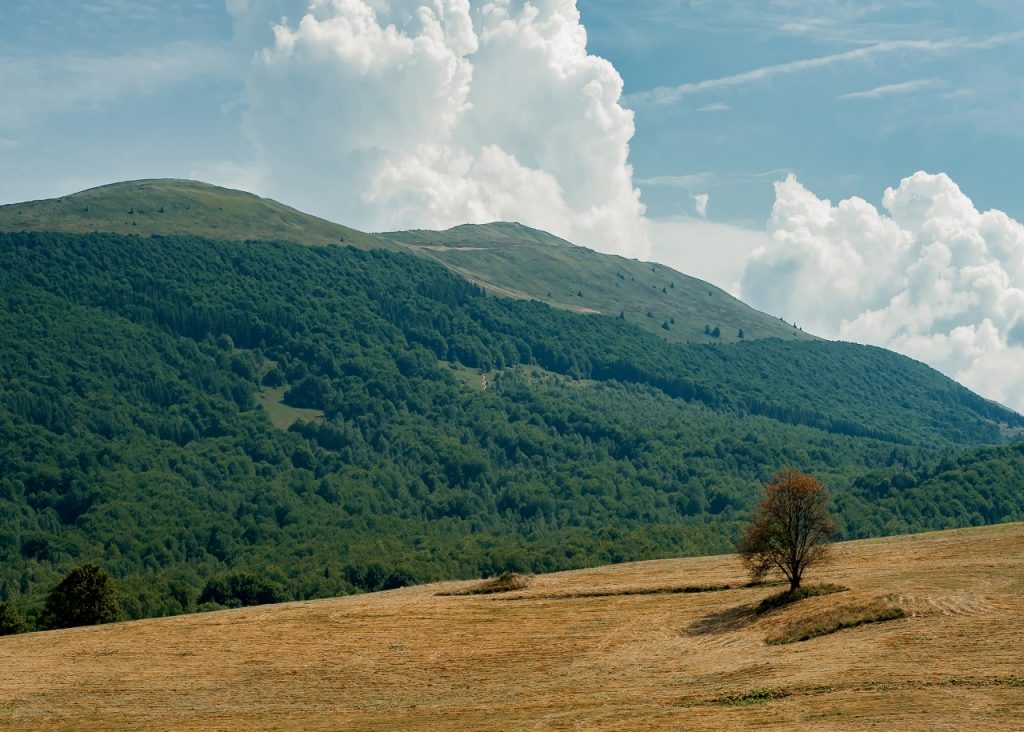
{"x": 470, "y": 378}
{"x": 877, "y": 610}
{"x": 787, "y": 598}
{"x": 281, "y": 415}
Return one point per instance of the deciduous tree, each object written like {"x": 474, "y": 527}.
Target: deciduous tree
{"x": 86, "y": 596}
{"x": 791, "y": 529}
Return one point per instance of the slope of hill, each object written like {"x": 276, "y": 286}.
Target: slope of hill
{"x": 517, "y": 261}
{"x": 619, "y": 647}
{"x": 426, "y": 431}
{"x": 166, "y": 206}
{"x": 507, "y": 259}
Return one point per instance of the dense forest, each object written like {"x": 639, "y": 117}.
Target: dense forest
{"x": 427, "y": 430}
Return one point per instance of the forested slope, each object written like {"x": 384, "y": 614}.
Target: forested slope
{"x": 132, "y": 431}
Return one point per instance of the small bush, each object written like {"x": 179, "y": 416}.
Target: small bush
{"x": 505, "y": 582}
{"x": 876, "y": 611}
{"x": 790, "y": 596}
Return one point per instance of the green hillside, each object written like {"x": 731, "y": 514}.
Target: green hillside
{"x": 165, "y": 206}
{"x": 506, "y": 259}
{"x": 331, "y": 420}
{"x": 517, "y": 261}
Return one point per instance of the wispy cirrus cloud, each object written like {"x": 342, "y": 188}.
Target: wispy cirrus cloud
{"x": 707, "y": 178}
{"x": 889, "y": 90}
{"x": 664, "y": 95}
{"x": 715, "y": 107}
{"x": 53, "y": 85}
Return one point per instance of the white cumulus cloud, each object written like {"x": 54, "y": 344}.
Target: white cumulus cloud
{"x": 700, "y": 203}
{"x": 929, "y": 276}
{"x": 431, "y": 113}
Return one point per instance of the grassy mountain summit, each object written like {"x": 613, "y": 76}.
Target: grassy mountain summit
{"x": 507, "y": 259}
{"x": 169, "y": 206}
{"x": 514, "y": 260}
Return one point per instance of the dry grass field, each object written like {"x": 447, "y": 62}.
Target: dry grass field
{"x": 618, "y": 647}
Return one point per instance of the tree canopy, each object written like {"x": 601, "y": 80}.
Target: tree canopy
{"x": 791, "y": 529}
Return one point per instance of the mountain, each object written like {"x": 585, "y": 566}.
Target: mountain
{"x": 506, "y": 259}
{"x": 191, "y": 412}
{"x": 515, "y": 261}
{"x": 629, "y": 646}
{"x": 167, "y": 206}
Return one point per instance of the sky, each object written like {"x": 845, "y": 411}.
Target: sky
{"x": 849, "y": 166}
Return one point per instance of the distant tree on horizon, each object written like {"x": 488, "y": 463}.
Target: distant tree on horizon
{"x": 791, "y": 529}
{"x": 86, "y": 596}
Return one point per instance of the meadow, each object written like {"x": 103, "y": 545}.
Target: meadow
{"x": 625, "y": 646}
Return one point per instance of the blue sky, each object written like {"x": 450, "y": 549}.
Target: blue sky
{"x": 952, "y": 103}
{"x": 936, "y": 88}
{"x": 769, "y": 146}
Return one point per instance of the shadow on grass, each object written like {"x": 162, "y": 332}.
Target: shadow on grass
{"x": 723, "y": 621}
{"x": 737, "y": 617}
{"x": 788, "y": 597}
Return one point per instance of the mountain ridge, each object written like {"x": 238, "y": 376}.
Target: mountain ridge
{"x": 506, "y": 258}
{"x": 166, "y": 206}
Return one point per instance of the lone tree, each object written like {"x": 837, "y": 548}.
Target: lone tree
{"x": 791, "y": 529}
{"x": 86, "y": 596}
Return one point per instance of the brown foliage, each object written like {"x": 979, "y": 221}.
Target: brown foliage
{"x": 791, "y": 529}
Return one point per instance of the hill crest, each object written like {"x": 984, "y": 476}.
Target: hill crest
{"x": 170, "y": 206}
{"x": 507, "y": 259}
